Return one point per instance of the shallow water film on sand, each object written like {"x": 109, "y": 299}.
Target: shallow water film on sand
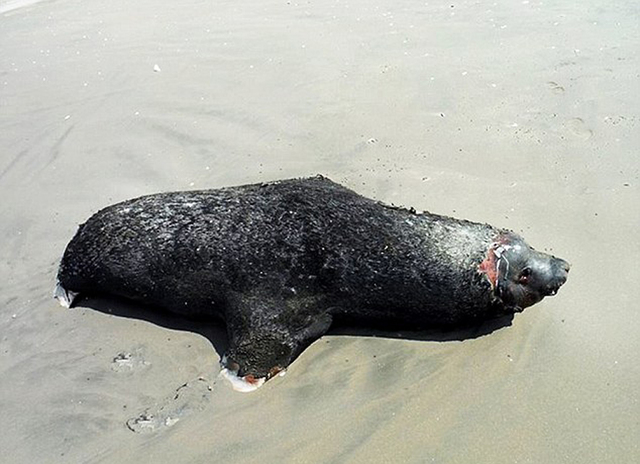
{"x": 520, "y": 114}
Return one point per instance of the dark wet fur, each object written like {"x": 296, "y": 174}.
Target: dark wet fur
{"x": 281, "y": 262}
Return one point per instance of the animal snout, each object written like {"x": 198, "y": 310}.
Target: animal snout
{"x": 562, "y": 264}
{"x": 560, "y": 271}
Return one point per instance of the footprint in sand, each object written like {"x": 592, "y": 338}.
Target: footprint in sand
{"x": 187, "y": 399}
{"x": 128, "y": 361}
{"x": 555, "y": 87}
{"x": 577, "y": 127}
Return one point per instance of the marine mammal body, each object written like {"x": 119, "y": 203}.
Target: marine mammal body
{"x": 280, "y": 262}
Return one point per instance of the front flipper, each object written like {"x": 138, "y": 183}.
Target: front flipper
{"x": 266, "y": 335}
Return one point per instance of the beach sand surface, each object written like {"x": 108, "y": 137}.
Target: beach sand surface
{"x": 521, "y": 114}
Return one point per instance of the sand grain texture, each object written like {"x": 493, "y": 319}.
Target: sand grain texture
{"x": 520, "y": 114}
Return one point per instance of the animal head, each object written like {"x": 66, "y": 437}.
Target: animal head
{"x": 520, "y": 275}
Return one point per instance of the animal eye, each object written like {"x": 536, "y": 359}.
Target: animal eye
{"x": 525, "y": 275}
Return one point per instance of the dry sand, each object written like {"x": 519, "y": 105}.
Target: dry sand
{"x": 523, "y": 114}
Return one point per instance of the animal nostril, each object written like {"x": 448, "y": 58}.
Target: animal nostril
{"x": 562, "y": 264}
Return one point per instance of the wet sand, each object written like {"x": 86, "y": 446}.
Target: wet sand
{"x": 520, "y": 114}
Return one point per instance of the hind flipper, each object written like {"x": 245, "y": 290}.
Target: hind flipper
{"x": 65, "y": 297}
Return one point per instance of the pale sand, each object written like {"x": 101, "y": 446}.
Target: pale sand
{"x": 521, "y": 114}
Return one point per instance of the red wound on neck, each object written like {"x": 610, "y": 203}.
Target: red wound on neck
{"x": 489, "y": 267}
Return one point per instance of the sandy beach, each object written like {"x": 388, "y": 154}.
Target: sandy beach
{"x": 521, "y": 114}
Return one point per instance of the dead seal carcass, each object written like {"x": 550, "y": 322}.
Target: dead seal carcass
{"x": 280, "y": 262}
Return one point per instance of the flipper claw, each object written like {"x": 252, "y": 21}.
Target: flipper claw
{"x": 245, "y": 384}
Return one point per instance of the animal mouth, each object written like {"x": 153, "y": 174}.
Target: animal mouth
{"x": 553, "y": 290}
